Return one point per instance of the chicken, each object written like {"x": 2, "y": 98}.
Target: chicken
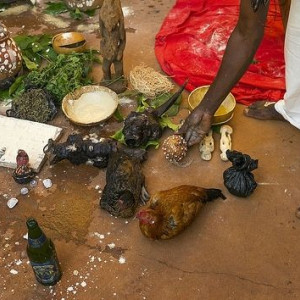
{"x": 23, "y": 172}
{"x": 141, "y": 127}
{"x": 169, "y": 212}
{"x": 125, "y": 185}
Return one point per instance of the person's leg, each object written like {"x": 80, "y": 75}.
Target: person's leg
{"x": 263, "y": 110}
{"x": 289, "y": 108}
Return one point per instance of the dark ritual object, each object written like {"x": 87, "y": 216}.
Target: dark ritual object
{"x": 42, "y": 255}
{"x": 23, "y": 172}
{"x": 169, "y": 212}
{"x": 141, "y": 127}
{"x": 125, "y": 185}
{"x": 79, "y": 150}
{"x": 238, "y": 179}
{"x": 10, "y": 59}
{"x": 112, "y": 44}
{"x": 174, "y": 148}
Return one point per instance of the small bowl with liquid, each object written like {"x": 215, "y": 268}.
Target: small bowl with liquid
{"x": 225, "y": 111}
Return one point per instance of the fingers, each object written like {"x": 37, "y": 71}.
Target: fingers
{"x": 194, "y": 136}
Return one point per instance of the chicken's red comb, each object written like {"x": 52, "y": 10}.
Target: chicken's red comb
{"x": 141, "y": 214}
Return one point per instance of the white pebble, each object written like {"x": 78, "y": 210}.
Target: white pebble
{"x": 18, "y": 262}
{"x": 83, "y": 284}
{"x": 12, "y": 202}
{"x": 75, "y": 272}
{"x": 47, "y": 183}
{"x": 70, "y": 289}
{"x": 122, "y": 260}
{"x": 111, "y": 246}
{"x": 97, "y": 187}
{"x": 25, "y": 236}
{"x": 13, "y": 271}
{"x": 24, "y": 191}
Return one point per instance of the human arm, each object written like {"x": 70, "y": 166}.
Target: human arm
{"x": 239, "y": 53}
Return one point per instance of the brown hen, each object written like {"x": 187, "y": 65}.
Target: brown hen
{"x": 169, "y": 212}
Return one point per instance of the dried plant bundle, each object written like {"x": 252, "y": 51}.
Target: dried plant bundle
{"x": 149, "y": 82}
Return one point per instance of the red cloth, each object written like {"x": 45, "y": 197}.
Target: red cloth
{"x": 192, "y": 40}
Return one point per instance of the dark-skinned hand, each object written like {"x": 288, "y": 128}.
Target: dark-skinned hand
{"x": 196, "y": 125}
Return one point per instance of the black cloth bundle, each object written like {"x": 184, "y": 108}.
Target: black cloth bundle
{"x": 238, "y": 179}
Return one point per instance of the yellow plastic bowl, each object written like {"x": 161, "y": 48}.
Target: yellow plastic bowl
{"x": 68, "y": 42}
{"x": 225, "y": 111}
{"x": 90, "y": 105}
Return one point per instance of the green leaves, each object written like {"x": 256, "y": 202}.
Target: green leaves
{"x": 76, "y": 14}
{"x": 166, "y": 122}
{"x": 30, "y": 65}
{"x": 161, "y": 99}
{"x": 34, "y": 49}
{"x": 64, "y": 75}
{"x": 119, "y": 136}
{"x": 118, "y": 116}
{"x": 55, "y": 8}
{"x": 17, "y": 87}
{"x": 4, "y": 95}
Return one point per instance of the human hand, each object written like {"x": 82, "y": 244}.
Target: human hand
{"x": 196, "y": 125}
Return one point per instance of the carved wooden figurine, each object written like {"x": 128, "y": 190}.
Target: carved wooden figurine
{"x": 207, "y": 146}
{"x": 225, "y": 142}
{"x": 112, "y": 44}
{"x": 23, "y": 172}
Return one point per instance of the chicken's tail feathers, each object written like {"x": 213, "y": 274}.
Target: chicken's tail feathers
{"x": 212, "y": 194}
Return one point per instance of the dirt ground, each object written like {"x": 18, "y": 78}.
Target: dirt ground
{"x": 236, "y": 249}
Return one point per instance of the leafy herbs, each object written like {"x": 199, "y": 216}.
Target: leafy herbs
{"x": 57, "y": 8}
{"x": 144, "y": 102}
{"x": 35, "y": 48}
{"x": 4, "y": 95}
{"x": 64, "y": 75}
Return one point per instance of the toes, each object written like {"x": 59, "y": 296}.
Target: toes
{"x": 257, "y": 105}
{"x": 252, "y": 112}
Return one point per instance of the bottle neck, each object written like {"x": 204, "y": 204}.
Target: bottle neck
{"x": 36, "y": 237}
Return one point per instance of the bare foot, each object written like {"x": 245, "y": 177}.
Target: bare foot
{"x": 263, "y": 110}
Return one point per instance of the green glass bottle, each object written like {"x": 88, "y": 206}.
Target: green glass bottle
{"x": 42, "y": 255}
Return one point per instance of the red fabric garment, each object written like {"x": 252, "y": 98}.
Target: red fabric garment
{"x": 192, "y": 40}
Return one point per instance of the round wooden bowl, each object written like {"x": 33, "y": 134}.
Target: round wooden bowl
{"x": 90, "y": 105}
{"x": 69, "y": 42}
